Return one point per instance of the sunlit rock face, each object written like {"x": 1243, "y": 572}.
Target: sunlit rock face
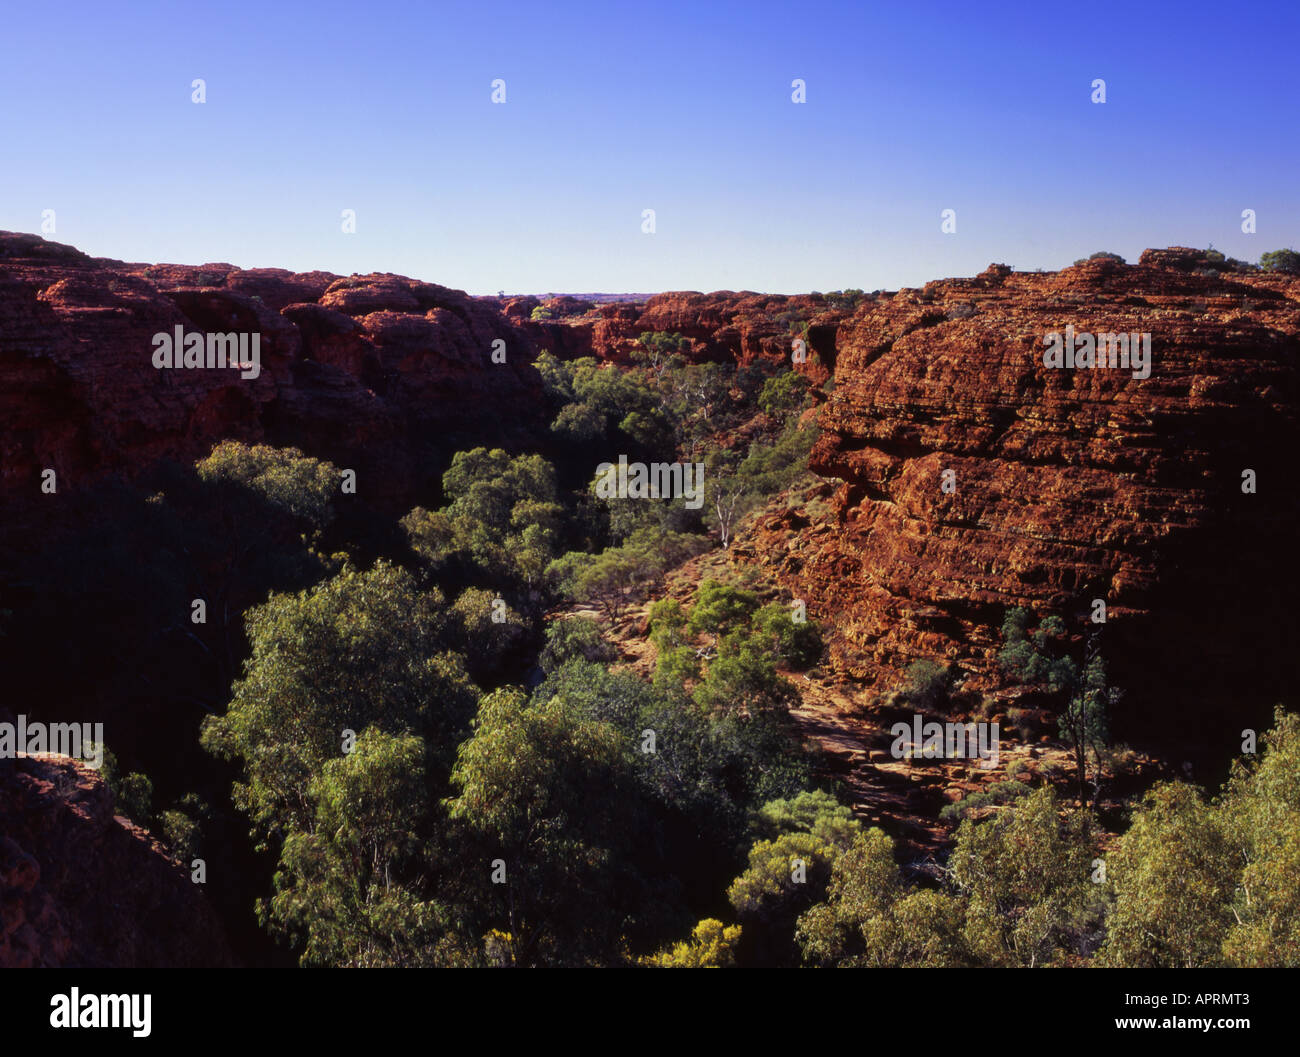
{"x": 973, "y": 478}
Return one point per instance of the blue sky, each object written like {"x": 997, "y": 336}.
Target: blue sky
{"x": 385, "y": 108}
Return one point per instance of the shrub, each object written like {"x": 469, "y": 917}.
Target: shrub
{"x": 927, "y": 683}
{"x": 575, "y": 637}
{"x": 845, "y": 299}
{"x": 783, "y": 394}
{"x": 1102, "y": 256}
{"x": 712, "y": 946}
{"x": 719, "y": 608}
{"x": 1287, "y": 261}
{"x": 181, "y": 834}
{"x": 797, "y": 643}
{"x": 135, "y": 797}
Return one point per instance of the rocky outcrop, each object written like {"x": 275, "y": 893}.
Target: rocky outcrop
{"x": 1063, "y": 485}
{"x": 740, "y": 327}
{"x": 81, "y": 887}
{"x": 719, "y": 327}
{"x": 371, "y": 372}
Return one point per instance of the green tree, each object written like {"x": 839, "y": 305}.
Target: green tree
{"x": 870, "y": 920}
{"x": 783, "y": 395}
{"x": 551, "y": 797}
{"x": 1026, "y": 875}
{"x": 1040, "y": 657}
{"x": 790, "y": 866}
{"x": 864, "y": 883}
{"x": 1287, "y": 261}
{"x": 487, "y": 485}
{"x": 488, "y": 633}
{"x": 1173, "y": 876}
{"x": 743, "y": 677}
{"x": 348, "y": 887}
{"x": 784, "y": 878}
{"x": 568, "y": 638}
{"x": 797, "y": 643}
{"x": 712, "y": 946}
{"x": 1261, "y": 818}
{"x": 502, "y": 522}
{"x": 811, "y": 811}
{"x": 359, "y": 650}
{"x": 301, "y": 486}
{"x": 619, "y": 575}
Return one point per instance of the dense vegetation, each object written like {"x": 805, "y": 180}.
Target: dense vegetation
{"x": 408, "y": 741}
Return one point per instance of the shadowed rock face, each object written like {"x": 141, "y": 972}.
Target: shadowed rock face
{"x": 367, "y": 371}
{"x": 1068, "y": 485}
{"x": 80, "y": 887}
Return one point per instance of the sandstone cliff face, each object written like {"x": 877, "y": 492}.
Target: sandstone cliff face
{"x": 1067, "y": 485}
{"x": 720, "y": 327}
{"x": 63, "y": 852}
{"x": 367, "y": 371}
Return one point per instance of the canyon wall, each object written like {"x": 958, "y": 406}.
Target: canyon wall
{"x": 1064, "y": 485}
{"x": 62, "y": 851}
{"x": 370, "y": 372}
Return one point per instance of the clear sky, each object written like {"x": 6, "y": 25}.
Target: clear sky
{"x": 912, "y": 108}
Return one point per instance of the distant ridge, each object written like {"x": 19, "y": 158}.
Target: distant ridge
{"x": 600, "y": 299}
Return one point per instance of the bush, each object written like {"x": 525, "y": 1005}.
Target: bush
{"x": 712, "y": 946}
{"x": 720, "y": 608}
{"x": 845, "y": 299}
{"x": 798, "y": 644}
{"x": 1102, "y": 256}
{"x": 927, "y": 683}
{"x": 575, "y": 637}
{"x": 135, "y": 798}
{"x": 1287, "y": 261}
{"x": 783, "y": 395}
{"x": 181, "y": 833}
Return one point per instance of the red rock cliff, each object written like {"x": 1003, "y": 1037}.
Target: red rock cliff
{"x": 1067, "y": 485}
{"x": 367, "y": 371}
{"x": 63, "y": 852}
